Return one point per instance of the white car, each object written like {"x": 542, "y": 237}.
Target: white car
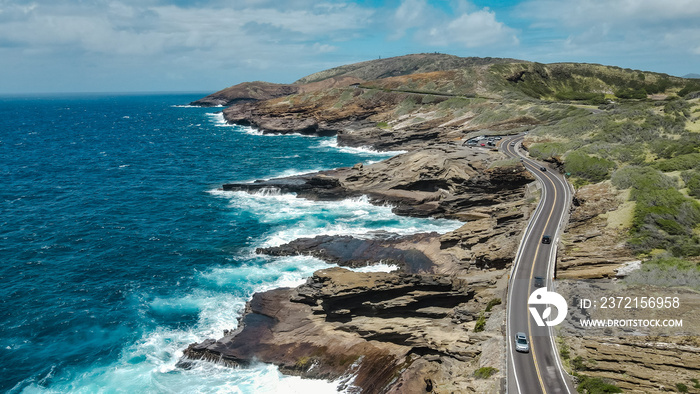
{"x": 521, "y": 342}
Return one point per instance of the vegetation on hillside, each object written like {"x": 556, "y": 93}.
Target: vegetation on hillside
{"x": 650, "y": 145}
{"x": 639, "y": 129}
{"x": 598, "y": 122}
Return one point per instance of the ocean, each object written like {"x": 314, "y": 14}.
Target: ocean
{"x": 118, "y": 250}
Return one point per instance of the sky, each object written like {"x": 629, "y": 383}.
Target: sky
{"x": 51, "y": 46}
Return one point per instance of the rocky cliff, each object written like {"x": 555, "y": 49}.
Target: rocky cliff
{"x": 410, "y": 330}
{"x": 413, "y": 330}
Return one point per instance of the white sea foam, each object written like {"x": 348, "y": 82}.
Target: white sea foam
{"x": 185, "y": 106}
{"x": 332, "y": 143}
{"x": 283, "y": 174}
{"x": 294, "y": 218}
{"x": 218, "y": 119}
{"x": 149, "y": 364}
{"x": 217, "y": 300}
{"x": 263, "y": 273}
{"x": 219, "y": 297}
{"x": 381, "y": 267}
{"x": 295, "y": 172}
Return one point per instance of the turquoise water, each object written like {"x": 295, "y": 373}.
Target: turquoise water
{"x": 118, "y": 250}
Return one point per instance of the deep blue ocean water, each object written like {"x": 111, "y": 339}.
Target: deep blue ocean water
{"x": 117, "y": 250}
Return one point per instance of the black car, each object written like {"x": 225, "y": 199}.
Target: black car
{"x": 543, "y": 169}
{"x": 539, "y": 281}
{"x": 546, "y": 239}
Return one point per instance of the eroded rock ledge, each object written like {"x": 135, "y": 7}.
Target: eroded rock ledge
{"x": 443, "y": 181}
{"x": 411, "y": 330}
{"x": 391, "y": 331}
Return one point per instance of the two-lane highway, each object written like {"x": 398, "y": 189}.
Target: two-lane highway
{"x": 539, "y": 370}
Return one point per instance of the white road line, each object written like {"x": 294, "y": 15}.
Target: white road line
{"x": 516, "y": 266}
{"x": 550, "y": 272}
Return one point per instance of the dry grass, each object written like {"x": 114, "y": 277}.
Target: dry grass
{"x": 621, "y": 218}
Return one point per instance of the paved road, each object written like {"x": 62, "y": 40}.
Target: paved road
{"x": 539, "y": 370}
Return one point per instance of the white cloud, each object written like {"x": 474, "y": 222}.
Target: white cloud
{"x": 51, "y": 42}
{"x": 323, "y": 48}
{"x": 409, "y": 14}
{"x": 478, "y": 28}
{"x": 621, "y": 12}
{"x": 607, "y": 27}
{"x": 119, "y": 28}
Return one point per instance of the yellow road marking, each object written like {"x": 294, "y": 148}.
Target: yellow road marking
{"x": 529, "y": 286}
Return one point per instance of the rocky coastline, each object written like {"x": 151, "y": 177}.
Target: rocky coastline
{"x": 412, "y": 329}
{"x": 436, "y": 323}
{"x": 409, "y": 330}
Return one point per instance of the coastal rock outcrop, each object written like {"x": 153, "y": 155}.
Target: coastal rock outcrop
{"x": 347, "y": 251}
{"x": 246, "y": 92}
{"x": 593, "y": 243}
{"x": 448, "y": 181}
{"x": 407, "y": 330}
{"x": 412, "y": 330}
{"x": 382, "y": 332}
{"x": 258, "y": 91}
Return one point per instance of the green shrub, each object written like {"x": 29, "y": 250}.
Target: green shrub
{"x": 406, "y": 106}
{"x": 595, "y": 386}
{"x": 505, "y": 163}
{"x": 455, "y": 103}
{"x": 480, "y": 323}
{"x": 681, "y": 388}
{"x": 492, "y": 303}
{"x": 666, "y": 149}
{"x": 629, "y": 153}
{"x": 578, "y": 364}
{"x": 663, "y": 217}
{"x": 641, "y": 177}
{"x": 679, "y": 163}
{"x": 666, "y": 276}
{"x": 547, "y": 150}
{"x": 485, "y": 372}
{"x": 691, "y": 86}
{"x": 591, "y": 168}
{"x": 692, "y": 182}
{"x": 383, "y": 125}
{"x": 630, "y": 93}
{"x": 564, "y": 350}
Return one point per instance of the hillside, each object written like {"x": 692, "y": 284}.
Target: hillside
{"x": 402, "y": 65}
{"x": 628, "y": 140}
{"x": 344, "y": 76}
{"x": 590, "y": 120}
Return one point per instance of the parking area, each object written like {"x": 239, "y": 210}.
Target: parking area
{"x": 483, "y": 141}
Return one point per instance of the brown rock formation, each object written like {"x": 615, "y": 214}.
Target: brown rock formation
{"x": 404, "y": 331}
{"x": 246, "y": 92}
{"x": 593, "y": 242}
{"x": 446, "y": 180}
{"x": 391, "y": 332}
{"x": 412, "y": 330}
{"x": 257, "y": 91}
